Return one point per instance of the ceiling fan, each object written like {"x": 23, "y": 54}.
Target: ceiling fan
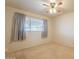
{"x": 54, "y": 6}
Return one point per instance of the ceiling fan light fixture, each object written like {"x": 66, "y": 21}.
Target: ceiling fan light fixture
{"x": 54, "y": 6}
{"x": 52, "y": 11}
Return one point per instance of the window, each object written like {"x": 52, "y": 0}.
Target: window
{"x": 33, "y": 25}
{"x": 22, "y": 25}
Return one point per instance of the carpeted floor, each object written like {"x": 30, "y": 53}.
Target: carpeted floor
{"x": 46, "y": 51}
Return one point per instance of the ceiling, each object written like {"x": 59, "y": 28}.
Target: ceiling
{"x": 36, "y": 6}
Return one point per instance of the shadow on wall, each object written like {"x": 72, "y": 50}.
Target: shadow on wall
{"x": 65, "y": 29}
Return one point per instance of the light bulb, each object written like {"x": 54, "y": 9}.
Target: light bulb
{"x": 54, "y": 10}
{"x": 51, "y": 11}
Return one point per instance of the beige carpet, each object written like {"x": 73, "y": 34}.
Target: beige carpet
{"x": 46, "y": 51}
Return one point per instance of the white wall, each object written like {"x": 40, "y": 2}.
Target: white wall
{"x": 64, "y": 33}
{"x": 13, "y": 46}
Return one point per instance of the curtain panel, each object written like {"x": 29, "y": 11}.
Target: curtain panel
{"x": 18, "y": 32}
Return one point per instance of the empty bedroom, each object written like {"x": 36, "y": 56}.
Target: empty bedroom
{"x": 39, "y": 29}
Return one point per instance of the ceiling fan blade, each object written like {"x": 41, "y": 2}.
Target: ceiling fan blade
{"x": 45, "y": 5}
{"x": 60, "y": 3}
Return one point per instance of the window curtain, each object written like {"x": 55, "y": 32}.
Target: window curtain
{"x": 18, "y": 32}
{"x": 45, "y": 31}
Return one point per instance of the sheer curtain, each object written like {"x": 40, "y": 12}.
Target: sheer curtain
{"x": 18, "y": 32}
